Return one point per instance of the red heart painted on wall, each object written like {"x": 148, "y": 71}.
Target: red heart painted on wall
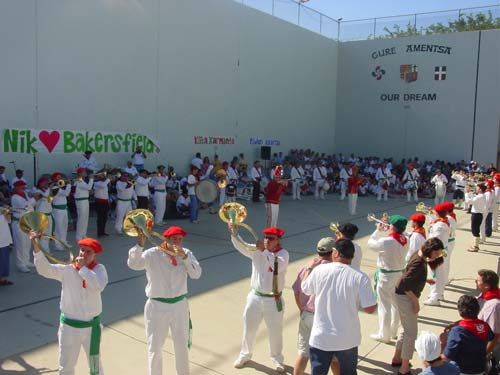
{"x": 49, "y": 139}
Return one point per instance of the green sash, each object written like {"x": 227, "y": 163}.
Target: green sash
{"x": 95, "y": 339}
{"x": 124, "y": 200}
{"x": 277, "y": 297}
{"x": 60, "y": 206}
{"x": 375, "y": 277}
{"x": 175, "y": 300}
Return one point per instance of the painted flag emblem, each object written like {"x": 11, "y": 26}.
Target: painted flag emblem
{"x": 408, "y": 73}
{"x": 378, "y": 73}
{"x": 440, "y": 73}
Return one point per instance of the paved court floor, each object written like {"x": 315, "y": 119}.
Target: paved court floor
{"x": 29, "y": 310}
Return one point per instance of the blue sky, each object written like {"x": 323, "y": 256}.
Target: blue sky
{"x": 355, "y": 9}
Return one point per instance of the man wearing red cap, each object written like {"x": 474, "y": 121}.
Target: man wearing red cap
{"x": 440, "y": 228}
{"x": 125, "y": 194}
{"x": 82, "y": 284}
{"x": 44, "y": 206}
{"x": 417, "y": 237}
{"x": 167, "y": 269}
{"x": 410, "y": 180}
{"x": 21, "y": 204}
{"x": 82, "y": 189}
{"x": 269, "y": 265}
{"x": 353, "y": 183}
{"x": 60, "y": 209}
{"x": 273, "y": 192}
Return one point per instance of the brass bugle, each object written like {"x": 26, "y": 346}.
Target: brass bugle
{"x": 5, "y": 210}
{"x": 421, "y": 207}
{"x": 235, "y": 213}
{"x": 334, "y": 227}
{"x": 372, "y": 218}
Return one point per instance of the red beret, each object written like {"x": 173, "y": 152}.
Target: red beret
{"x": 42, "y": 179}
{"x": 497, "y": 176}
{"x": 194, "y": 167}
{"x": 19, "y": 183}
{"x": 440, "y": 207}
{"x": 55, "y": 176}
{"x": 93, "y": 244}
{"x": 418, "y": 217}
{"x": 449, "y": 206}
{"x": 274, "y": 231}
{"x": 174, "y": 230}
{"x": 411, "y": 165}
{"x": 80, "y": 170}
{"x": 490, "y": 182}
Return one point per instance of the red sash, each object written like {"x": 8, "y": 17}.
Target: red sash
{"x": 91, "y": 266}
{"x": 23, "y": 195}
{"x": 476, "y": 326}
{"x": 420, "y": 230}
{"x": 441, "y": 219}
{"x": 401, "y": 238}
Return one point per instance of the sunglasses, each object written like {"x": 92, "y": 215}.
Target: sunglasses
{"x": 270, "y": 238}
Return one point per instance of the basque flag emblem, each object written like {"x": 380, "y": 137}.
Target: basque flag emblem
{"x": 440, "y": 73}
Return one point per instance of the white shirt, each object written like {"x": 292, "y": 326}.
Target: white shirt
{"x": 343, "y": 174}
{"x": 415, "y": 243}
{"x": 391, "y": 255}
{"x": 490, "y": 200}
{"x": 125, "y": 191}
{"x": 263, "y": 265}
{"x": 158, "y": 182}
{"x": 83, "y": 188}
{"x": 358, "y": 255}
{"x": 89, "y": 163}
{"x": 297, "y": 174}
{"x": 385, "y": 174}
{"x": 459, "y": 180}
{"x": 181, "y": 201}
{"x": 197, "y": 162}
{"x": 21, "y": 205}
{"x": 232, "y": 174}
{"x": 191, "y": 180}
{"x": 440, "y": 230}
{"x": 319, "y": 174}
{"x": 207, "y": 173}
{"x": 101, "y": 189}
{"x": 479, "y": 204}
{"x": 164, "y": 279}
{"x": 412, "y": 175}
{"x": 5, "y": 236}
{"x": 138, "y": 158}
{"x": 340, "y": 290}
{"x": 141, "y": 186}
{"x": 497, "y": 194}
{"x": 256, "y": 174}
{"x": 43, "y": 205}
{"x": 439, "y": 179}
{"x": 131, "y": 171}
{"x": 61, "y": 197}
{"x": 77, "y": 302}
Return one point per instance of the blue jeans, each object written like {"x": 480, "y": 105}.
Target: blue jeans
{"x": 320, "y": 361}
{"x": 5, "y": 261}
{"x": 193, "y": 213}
{"x": 139, "y": 167}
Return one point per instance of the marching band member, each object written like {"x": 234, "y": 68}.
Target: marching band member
{"x": 353, "y": 183}
{"x": 410, "y": 180}
{"x": 19, "y": 177}
{"x": 452, "y": 219}
{"x": 256, "y": 176}
{"x": 440, "y": 228}
{"x": 101, "y": 195}
{"x": 158, "y": 182}
{"x": 88, "y": 162}
{"x": 269, "y": 265}
{"x": 125, "y": 196}
{"x": 142, "y": 189}
{"x": 478, "y": 212}
{"x": 487, "y": 229}
{"x": 21, "y": 204}
{"x": 60, "y": 209}
{"x": 349, "y": 231}
{"x": 167, "y": 306}
{"x": 439, "y": 181}
{"x": 138, "y": 158}
{"x": 391, "y": 251}
{"x": 417, "y": 237}
{"x": 296, "y": 175}
{"x": 82, "y": 283}
{"x": 82, "y": 202}
{"x": 273, "y": 192}
{"x": 344, "y": 177}
{"x": 319, "y": 178}
{"x": 383, "y": 177}
{"x": 192, "y": 182}
{"x": 44, "y": 206}
{"x": 497, "y": 202}
{"x": 458, "y": 194}
{"x": 131, "y": 169}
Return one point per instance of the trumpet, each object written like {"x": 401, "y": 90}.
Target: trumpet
{"x": 5, "y": 210}
{"x": 421, "y": 207}
{"x": 141, "y": 220}
{"x": 334, "y": 227}
{"x": 235, "y": 213}
{"x": 385, "y": 216}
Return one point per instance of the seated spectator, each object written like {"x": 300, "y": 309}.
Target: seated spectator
{"x": 429, "y": 349}
{"x": 183, "y": 204}
{"x": 489, "y": 301}
{"x": 467, "y": 339}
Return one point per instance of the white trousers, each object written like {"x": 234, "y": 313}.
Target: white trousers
{"x": 343, "y": 189}
{"x": 71, "y": 340}
{"x": 439, "y": 198}
{"x": 409, "y": 193}
{"x": 352, "y": 200}
{"x": 381, "y": 192}
{"x": 272, "y": 211}
{"x": 222, "y": 197}
{"x": 295, "y": 190}
{"x": 495, "y": 216}
{"x": 442, "y": 274}
{"x": 60, "y": 225}
{"x": 44, "y": 241}
{"x": 318, "y": 191}
{"x": 160, "y": 199}
{"x": 256, "y": 309}
{"x": 82, "y": 222}
{"x": 159, "y": 317}
{"x": 122, "y": 208}
{"x": 388, "y": 315}
{"x": 22, "y": 245}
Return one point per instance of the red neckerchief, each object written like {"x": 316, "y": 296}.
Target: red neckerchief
{"x": 491, "y": 294}
{"x": 21, "y": 194}
{"x": 476, "y": 326}
{"x": 441, "y": 219}
{"x": 278, "y": 248}
{"x": 172, "y": 259}
{"x": 453, "y": 215}
{"x": 420, "y": 230}
{"x": 91, "y": 266}
{"x": 401, "y": 238}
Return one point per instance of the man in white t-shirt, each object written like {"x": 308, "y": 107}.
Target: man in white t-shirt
{"x": 138, "y": 158}
{"x": 338, "y": 286}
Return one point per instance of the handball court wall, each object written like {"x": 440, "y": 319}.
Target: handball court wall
{"x": 172, "y": 69}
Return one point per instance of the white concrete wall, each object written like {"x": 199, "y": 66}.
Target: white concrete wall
{"x": 439, "y": 129}
{"x": 172, "y": 68}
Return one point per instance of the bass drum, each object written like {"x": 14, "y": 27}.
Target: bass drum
{"x": 207, "y": 191}
{"x": 231, "y": 190}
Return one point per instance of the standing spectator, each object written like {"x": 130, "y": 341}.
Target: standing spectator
{"x": 192, "y": 182}
{"x": 489, "y": 301}
{"x": 138, "y": 158}
{"x": 468, "y": 338}
{"x": 256, "y": 176}
{"x": 337, "y": 287}
{"x": 5, "y": 242}
{"x": 88, "y": 162}
{"x": 408, "y": 290}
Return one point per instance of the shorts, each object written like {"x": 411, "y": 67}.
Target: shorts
{"x": 305, "y": 326}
